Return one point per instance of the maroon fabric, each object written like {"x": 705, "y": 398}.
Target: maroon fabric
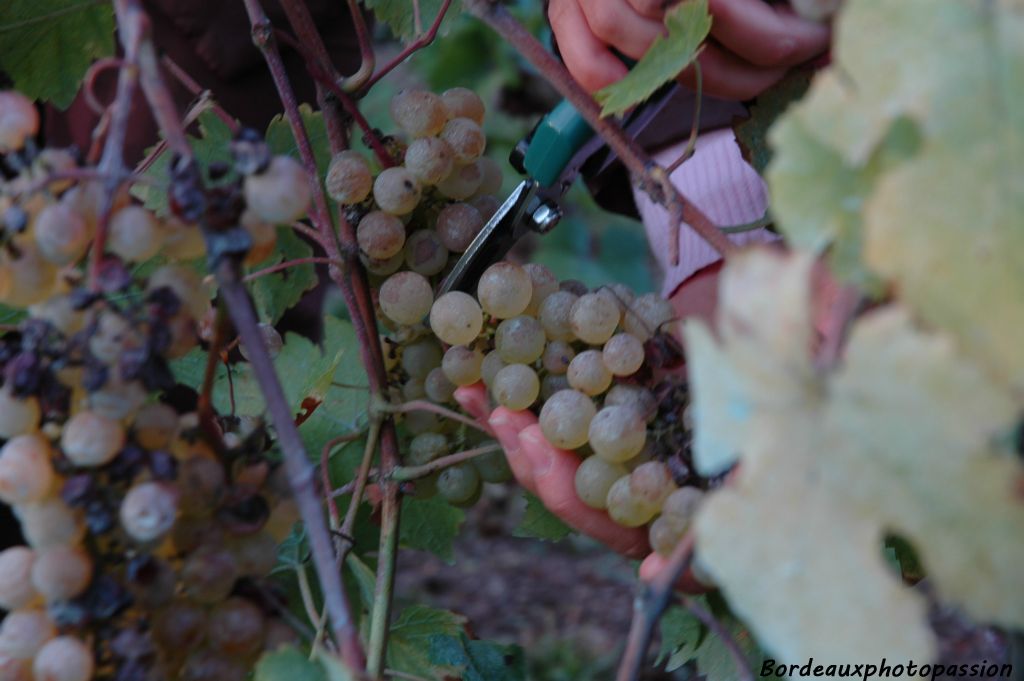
{"x": 210, "y": 40}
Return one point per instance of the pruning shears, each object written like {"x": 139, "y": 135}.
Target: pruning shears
{"x": 561, "y": 147}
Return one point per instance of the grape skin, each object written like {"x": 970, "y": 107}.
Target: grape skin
{"x": 557, "y": 356}
{"x": 236, "y": 627}
{"x": 646, "y": 315}
{"x": 544, "y": 283}
{"x": 651, "y": 482}
{"x": 516, "y": 386}
{"x": 148, "y": 511}
{"x": 456, "y": 318}
{"x": 464, "y": 103}
{"x": 18, "y": 416}
{"x": 459, "y": 483}
{"x": 504, "y": 290}
{"x": 61, "y": 234}
{"x": 16, "y": 590}
{"x": 155, "y": 426}
{"x": 26, "y": 474}
{"x": 617, "y": 434}
{"x": 519, "y": 340}
{"x": 24, "y": 632}
{"x": 555, "y": 313}
{"x": 281, "y": 193}
{"x": 186, "y": 284}
{"x": 90, "y": 439}
{"x": 462, "y": 182}
{"x": 420, "y": 113}
{"x": 61, "y": 572}
{"x": 633, "y": 396}
{"x": 380, "y": 235}
{"x": 551, "y": 384}
{"x": 594, "y": 478}
{"x": 626, "y": 509}
{"x": 348, "y": 179}
{"x": 63, "y": 659}
{"x": 623, "y": 354}
{"x": 492, "y": 176}
{"x": 19, "y": 120}
{"x": 430, "y": 160}
{"x": 593, "y": 318}
{"x": 437, "y": 386}
{"x": 396, "y": 191}
{"x": 565, "y": 418}
{"x": 426, "y": 447}
{"x": 462, "y": 364}
{"x": 406, "y": 297}
{"x": 489, "y": 368}
{"x": 424, "y": 253}
{"x": 465, "y": 138}
{"x": 49, "y": 522}
{"x": 420, "y": 357}
{"x": 588, "y": 374}
{"x": 457, "y": 226}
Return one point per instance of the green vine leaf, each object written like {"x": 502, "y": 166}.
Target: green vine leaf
{"x": 409, "y": 642}
{"x": 274, "y": 294}
{"x": 288, "y": 664}
{"x": 478, "y": 660}
{"x": 47, "y": 45}
{"x": 752, "y": 132}
{"x": 398, "y": 16}
{"x": 681, "y": 636}
{"x": 430, "y": 525}
{"x": 540, "y": 523}
{"x": 908, "y": 437}
{"x": 281, "y": 141}
{"x": 688, "y": 24}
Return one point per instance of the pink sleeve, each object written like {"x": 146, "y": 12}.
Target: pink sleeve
{"x": 721, "y": 184}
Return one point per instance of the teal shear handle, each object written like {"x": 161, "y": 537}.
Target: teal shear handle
{"x": 557, "y": 138}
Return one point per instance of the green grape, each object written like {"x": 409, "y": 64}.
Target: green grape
{"x": 24, "y": 632}
{"x": 430, "y": 160}
{"x": 396, "y": 191}
{"x": 456, "y": 318}
{"x": 348, "y": 179}
{"x": 489, "y": 368}
{"x": 16, "y": 590}
{"x": 466, "y": 139}
{"x": 19, "y": 120}
{"x": 682, "y": 504}
{"x": 281, "y": 193}
{"x": 594, "y": 478}
{"x": 623, "y": 354}
{"x": 426, "y": 447}
{"x": 565, "y": 418}
{"x": 651, "y": 482}
{"x": 617, "y": 434}
{"x": 516, "y": 386}
{"x": 619, "y": 294}
{"x": 424, "y": 253}
{"x": 664, "y": 534}
{"x": 155, "y": 426}
{"x": 148, "y": 510}
{"x": 463, "y": 103}
{"x": 544, "y": 283}
{"x": 50, "y": 522}
{"x": 64, "y": 658}
{"x": 418, "y": 112}
{"x": 519, "y": 340}
{"x": 61, "y": 572}
{"x": 133, "y": 234}
{"x": 118, "y": 400}
{"x": 462, "y": 364}
{"x": 236, "y": 627}
{"x": 625, "y": 508}
{"x": 18, "y": 416}
{"x": 90, "y": 439}
{"x": 504, "y": 290}
{"x": 413, "y": 389}
{"x": 380, "y": 235}
{"x": 61, "y": 233}
{"x": 419, "y": 422}
{"x": 493, "y": 467}
{"x": 462, "y": 182}
{"x": 646, "y": 315}
{"x": 554, "y": 314}
{"x": 458, "y": 483}
{"x": 588, "y": 373}
{"x": 437, "y": 386}
{"x": 457, "y": 226}
{"x": 557, "y": 356}
{"x": 384, "y": 267}
{"x": 593, "y": 318}
{"x": 26, "y": 474}
{"x": 633, "y": 396}
{"x": 420, "y": 357}
{"x": 406, "y": 297}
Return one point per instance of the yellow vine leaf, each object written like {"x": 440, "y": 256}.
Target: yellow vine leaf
{"x": 907, "y": 437}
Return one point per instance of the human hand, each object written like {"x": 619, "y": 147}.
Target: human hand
{"x": 751, "y": 47}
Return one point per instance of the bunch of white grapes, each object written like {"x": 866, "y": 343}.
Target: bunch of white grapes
{"x": 146, "y": 538}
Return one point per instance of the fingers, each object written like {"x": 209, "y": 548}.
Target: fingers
{"x": 765, "y": 36}
{"x": 726, "y": 76}
{"x": 554, "y": 474}
{"x": 654, "y": 564}
{"x": 652, "y": 9}
{"x": 589, "y": 60}
{"x": 473, "y": 399}
{"x": 507, "y": 425}
{"x": 616, "y": 23}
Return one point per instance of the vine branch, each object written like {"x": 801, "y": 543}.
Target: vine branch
{"x": 422, "y": 41}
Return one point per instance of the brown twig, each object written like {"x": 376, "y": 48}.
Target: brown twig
{"x": 651, "y": 178}
{"x": 430, "y": 407}
{"x": 325, "y": 473}
{"x": 199, "y": 91}
{"x": 708, "y": 619}
{"x": 368, "y": 57}
{"x": 287, "y": 264}
{"x": 204, "y": 409}
{"x": 691, "y": 144}
{"x": 416, "y": 45}
{"x": 651, "y": 600}
{"x": 407, "y": 473}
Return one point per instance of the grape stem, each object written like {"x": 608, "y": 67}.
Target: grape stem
{"x": 691, "y": 144}
{"x": 650, "y": 602}
{"x": 288, "y": 264}
{"x": 198, "y": 91}
{"x": 204, "y": 407}
{"x": 651, "y": 177}
{"x": 421, "y": 41}
{"x": 407, "y": 473}
{"x": 444, "y": 412}
{"x": 708, "y": 619}
{"x": 368, "y": 58}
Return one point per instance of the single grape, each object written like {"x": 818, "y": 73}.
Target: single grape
{"x": 594, "y": 478}
{"x": 457, "y": 226}
{"x": 626, "y": 509}
{"x": 519, "y": 340}
{"x": 26, "y": 474}
{"x": 458, "y": 483}
{"x": 617, "y": 434}
{"x": 489, "y": 368}
{"x": 593, "y": 318}
{"x": 420, "y": 357}
{"x": 255, "y": 554}
{"x": 426, "y": 447}
{"x": 92, "y": 440}
{"x": 413, "y": 389}
{"x": 516, "y": 386}
{"x": 13, "y": 669}
{"x": 463, "y": 103}
{"x": 430, "y": 160}
{"x": 208, "y": 574}
{"x": 646, "y": 314}
{"x": 462, "y": 364}
{"x": 113, "y": 335}
{"x": 551, "y": 384}
{"x": 544, "y": 283}
{"x": 380, "y": 235}
{"x": 487, "y": 205}
{"x": 348, "y": 179}
{"x": 418, "y": 112}
{"x": 202, "y": 484}
{"x": 16, "y": 590}
{"x": 406, "y": 297}
{"x": 424, "y": 253}
{"x": 236, "y": 627}
{"x": 633, "y": 396}
{"x": 61, "y": 572}
{"x": 652, "y": 482}
{"x": 384, "y": 267}
{"x": 437, "y": 386}
{"x": 155, "y": 426}
{"x": 179, "y": 627}
{"x": 565, "y": 418}
{"x": 49, "y": 523}
{"x": 462, "y": 182}
{"x": 64, "y": 659}
{"x": 466, "y": 139}
{"x": 186, "y": 284}
{"x": 664, "y": 535}
{"x": 681, "y": 505}
{"x": 588, "y": 374}
{"x": 456, "y": 318}
{"x": 118, "y": 399}
{"x": 31, "y": 277}
{"x": 18, "y": 416}
{"x": 557, "y": 356}
{"x": 492, "y": 176}
{"x": 263, "y": 236}
{"x": 493, "y": 467}
{"x": 554, "y": 313}
{"x": 133, "y": 234}
{"x": 623, "y": 354}
{"x": 19, "y": 120}
{"x": 281, "y": 193}
{"x": 148, "y": 510}
{"x": 24, "y": 632}
{"x": 619, "y": 294}
{"x": 53, "y": 161}
{"x": 61, "y": 234}
{"x": 396, "y": 191}
{"x": 504, "y": 290}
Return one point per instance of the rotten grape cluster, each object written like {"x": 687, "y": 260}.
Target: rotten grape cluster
{"x": 147, "y": 548}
